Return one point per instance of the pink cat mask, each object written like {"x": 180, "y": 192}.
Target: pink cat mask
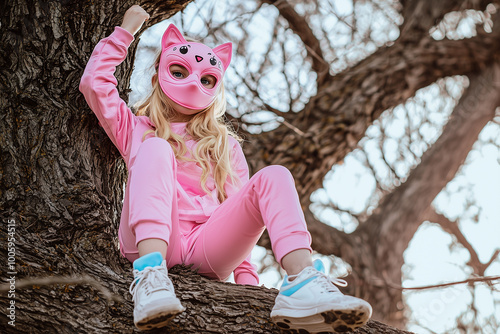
{"x": 199, "y": 60}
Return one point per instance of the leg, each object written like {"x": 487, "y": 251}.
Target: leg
{"x": 269, "y": 200}
{"x": 147, "y": 246}
{"x": 153, "y": 219}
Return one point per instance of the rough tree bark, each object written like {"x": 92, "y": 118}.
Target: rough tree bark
{"x": 61, "y": 185}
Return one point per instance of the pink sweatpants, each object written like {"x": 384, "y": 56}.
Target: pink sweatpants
{"x": 268, "y": 200}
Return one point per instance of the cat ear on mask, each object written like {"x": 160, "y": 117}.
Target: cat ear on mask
{"x": 171, "y": 36}
{"x": 224, "y": 52}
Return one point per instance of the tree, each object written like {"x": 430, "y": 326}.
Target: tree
{"x": 61, "y": 185}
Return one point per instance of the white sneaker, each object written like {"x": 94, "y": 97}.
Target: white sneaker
{"x": 311, "y": 303}
{"x": 155, "y": 303}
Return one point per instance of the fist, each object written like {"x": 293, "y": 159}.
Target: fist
{"x": 134, "y": 18}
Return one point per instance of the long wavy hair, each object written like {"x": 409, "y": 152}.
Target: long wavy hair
{"x": 208, "y": 128}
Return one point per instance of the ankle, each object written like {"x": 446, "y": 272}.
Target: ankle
{"x": 293, "y": 272}
{"x": 294, "y": 262}
{"x": 147, "y": 246}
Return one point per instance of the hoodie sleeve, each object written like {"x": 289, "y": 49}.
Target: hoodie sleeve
{"x": 246, "y": 273}
{"x": 98, "y": 85}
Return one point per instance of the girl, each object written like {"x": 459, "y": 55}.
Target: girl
{"x": 189, "y": 198}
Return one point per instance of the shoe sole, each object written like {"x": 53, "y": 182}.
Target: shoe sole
{"x": 158, "y": 320}
{"x": 339, "y": 321}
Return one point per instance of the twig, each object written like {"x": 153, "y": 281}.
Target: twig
{"x": 470, "y": 280}
{"x": 294, "y": 128}
{"x": 84, "y": 280}
{"x": 453, "y": 228}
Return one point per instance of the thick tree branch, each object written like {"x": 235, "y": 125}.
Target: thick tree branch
{"x": 402, "y": 211}
{"x": 420, "y": 16}
{"x": 327, "y": 240}
{"x": 211, "y": 307}
{"x": 161, "y": 10}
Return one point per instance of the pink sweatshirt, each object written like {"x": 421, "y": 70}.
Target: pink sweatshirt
{"x": 126, "y": 130}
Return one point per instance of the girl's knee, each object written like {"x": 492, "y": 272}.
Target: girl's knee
{"x": 274, "y": 172}
{"x": 156, "y": 142}
{"x": 157, "y": 149}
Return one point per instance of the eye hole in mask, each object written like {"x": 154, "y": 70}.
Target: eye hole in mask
{"x": 180, "y": 72}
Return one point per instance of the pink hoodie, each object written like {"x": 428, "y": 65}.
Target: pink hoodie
{"x": 126, "y": 130}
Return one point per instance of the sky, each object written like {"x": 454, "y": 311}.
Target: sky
{"x": 432, "y": 256}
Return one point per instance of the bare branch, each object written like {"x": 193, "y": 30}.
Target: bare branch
{"x": 67, "y": 280}
{"x": 300, "y": 27}
{"x": 488, "y": 279}
{"x": 287, "y": 79}
{"x": 378, "y": 180}
{"x": 453, "y": 228}
{"x": 335, "y": 207}
{"x": 383, "y": 154}
{"x": 294, "y": 128}
{"x": 493, "y": 258}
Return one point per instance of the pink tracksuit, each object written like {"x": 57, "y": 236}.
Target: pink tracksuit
{"x": 164, "y": 198}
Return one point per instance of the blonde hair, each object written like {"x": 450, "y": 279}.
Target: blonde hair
{"x": 207, "y": 127}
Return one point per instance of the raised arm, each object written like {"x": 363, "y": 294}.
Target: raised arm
{"x": 98, "y": 83}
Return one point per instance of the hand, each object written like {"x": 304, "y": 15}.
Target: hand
{"x": 134, "y": 18}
